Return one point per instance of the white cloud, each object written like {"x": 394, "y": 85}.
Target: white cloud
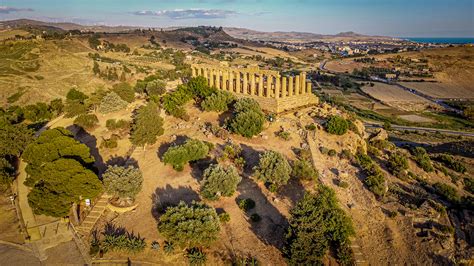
{"x": 9, "y": 9}
{"x": 188, "y": 13}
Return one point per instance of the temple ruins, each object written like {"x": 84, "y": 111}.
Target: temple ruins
{"x": 273, "y": 92}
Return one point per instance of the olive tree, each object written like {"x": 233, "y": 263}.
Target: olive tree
{"x": 219, "y": 181}
{"x": 274, "y": 169}
{"x": 124, "y": 183}
{"x": 111, "y": 103}
{"x": 191, "y": 225}
{"x": 147, "y": 125}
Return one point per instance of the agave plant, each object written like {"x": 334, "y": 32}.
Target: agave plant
{"x": 196, "y": 256}
{"x": 155, "y": 245}
{"x": 168, "y": 247}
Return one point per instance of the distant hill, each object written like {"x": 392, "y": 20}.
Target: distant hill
{"x": 297, "y": 36}
{"x": 60, "y": 26}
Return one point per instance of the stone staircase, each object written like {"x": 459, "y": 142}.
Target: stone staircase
{"x": 87, "y": 224}
{"x": 358, "y": 255}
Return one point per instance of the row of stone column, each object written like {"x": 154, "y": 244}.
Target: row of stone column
{"x": 254, "y": 83}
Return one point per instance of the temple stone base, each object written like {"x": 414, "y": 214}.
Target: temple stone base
{"x": 274, "y": 93}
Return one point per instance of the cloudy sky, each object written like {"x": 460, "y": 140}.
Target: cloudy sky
{"x": 402, "y": 18}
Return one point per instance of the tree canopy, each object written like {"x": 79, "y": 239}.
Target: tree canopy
{"x": 123, "y": 182}
{"x": 111, "y": 102}
{"x": 179, "y": 155}
{"x": 316, "y": 224}
{"x": 219, "y": 181}
{"x": 147, "y": 125}
{"x": 191, "y": 225}
{"x": 337, "y": 125}
{"x": 248, "y": 118}
{"x": 274, "y": 169}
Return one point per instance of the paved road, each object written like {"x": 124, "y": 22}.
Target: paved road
{"x": 432, "y": 130}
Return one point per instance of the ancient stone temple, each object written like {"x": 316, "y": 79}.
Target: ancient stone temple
{"x": 273, "y": 92}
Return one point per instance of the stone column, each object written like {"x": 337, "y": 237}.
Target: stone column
{"x": 225, "y": 75}
{"x": 290, "y": 87}
{"x": 246, "y": 83}
{"x": 218, "y": 79}
{"x": 211, "y": 78}
{"x": 205, "y": 75}
{"x": 297, "y": 85}
{"x": 303, "y": 82}
{"x": 277, "y": 87}
{"x": 237, "y": 82}
{"x": 260, "y": 84}
{"x": 194, "y": 72}
{"x": 231, "y": 80}
{"x": 283, "y": 87}
{"x": 309, "y": 87}
{"x": 269, "y": 85}
{"x": 252, "y": 83}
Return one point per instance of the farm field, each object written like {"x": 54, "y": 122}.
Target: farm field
{"x": 396, "y": 97}
{"x": 441, "y": 90}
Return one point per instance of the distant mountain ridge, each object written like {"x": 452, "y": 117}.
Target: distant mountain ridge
{"x": 237, "y": 33}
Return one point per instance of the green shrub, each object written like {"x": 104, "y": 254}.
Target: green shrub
{"x": 422, "y": 159}
{"x": 217, "y": 102}
{"x": 343, "y": 184}
{"x": 191, "y": 150}
{"x": 284, "y": 135}
{"x": 118, "y": 240}
{"x": 397, "y": 163}
{"x": 332, "y": 153}
{"x": 346, "y": 154}
{"x": 219, "y": 181}
{"x": 247, "y": 124}
{"x": 448, "y": 192}
{"x": 311, "y": 127}
{"x": 324, "y": 150}
{"x": 273, "y": 169}
{"x": 375, "y": 180}
{"x": 147, "y": 125}
{"x": 75, "y": 95}
{"x": 190, "y": 225}
{"x": 86, "y": 121}
{"x": 155, "y": 245}
{"x": 224, "y": 217}
{"x": 304, "y": 170}
{"x": 125, "y": 91}
{"x": 110, "y": 143}
{"x": 113, "y": 124}
{"x": 123, "y": 182}
{"x": 246, "y": 204}
{"x": 452, "y": 163}
{"x": 337, "y": 125}
{"x": 469, "y": 184}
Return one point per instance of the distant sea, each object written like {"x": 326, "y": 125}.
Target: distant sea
{"x": 441, "y": 40}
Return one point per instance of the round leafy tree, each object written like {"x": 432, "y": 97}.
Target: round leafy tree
{"x": 219, "y": 181}
{"x": 248, "y": 118}
{"x": 192, "y": 225}
{"x": 61, "y": 183}
{"x": 86, "y": 121}
{"x": 155, "y": 87}
{"x": 317, "y": 223}
{"x": 147, "y": 125}
{"x": 125, "y": 91}
{"x": 217, "y": 102}
{"x": 274, "y": 169}
{"x": 303, "y": 169}
{"x": 180, "y": 155}
{"x": 111, "y": 103}
{"x": 123, "y": 182}
{"x": 337, "y": 125}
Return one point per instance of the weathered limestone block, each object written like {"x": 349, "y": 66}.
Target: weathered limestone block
{"x": 283, "y": 87}
{"x": 237, "y": 82}
{"x": 231, "y": 81}
{"x": 260, "y": 85}
{"x": 269, "y": 85}
{"x": 309, "y": 88}
{"x": 252, "y": 83}
{"x": 297, "y": 85}
{"x": 211, "y": 78}
{"x": 218, "y": 79}
{"x": 290, "y": 87}
{"x": 277, "y": 87}
{"x": 246, "y": 84}
{"x": 225, "y": 76}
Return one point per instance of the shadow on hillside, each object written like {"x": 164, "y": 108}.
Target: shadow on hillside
{"x": 294, "y": 191}
{"x": 198, "y": 167}
{"x": 180, "y": 139}
{"x": 122, "y": 161}
{"x": 271, "y": 228}
{"x": 251, "y": 157}
{"x": 168, "y": 196}
{"x": 461, "y": 148}
{"x": 90, "y": 141}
